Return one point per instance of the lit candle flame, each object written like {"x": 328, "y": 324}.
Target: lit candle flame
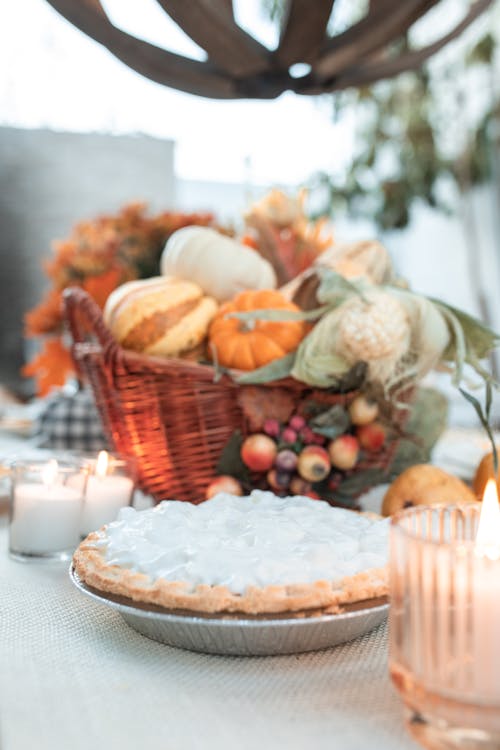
{"x": 488, "y": 532}
{"x": 101, "y": 467}
{"x": 49, "y": 472}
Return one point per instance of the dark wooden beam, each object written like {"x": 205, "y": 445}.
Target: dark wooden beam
{"x": 227, "y": 5}
{"x": 371, "y": 71}
{"x": 303, "y": 31}
{"x": 240, "y": 67}
{"x": 387, "y": 20}
{"x": 154, "y": 63}
{"x": 209, "y": 24}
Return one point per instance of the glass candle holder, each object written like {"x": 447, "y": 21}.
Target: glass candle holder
{"x": 110, "y": 486}
{"x": 45, "y": 509}
{"x": 444, "y": 654}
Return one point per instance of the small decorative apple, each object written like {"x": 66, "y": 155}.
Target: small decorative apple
{"x": 314, "y": 463}
{"x": 258, "y": 452}
{"x": 272, "y": 427}
{"x": 343, "y": 452}
{"x": 224, "y": 483}
{"x": 289, "y": 435}
{"x": 297, "y": 422}
{"x": 371, "y": 436}
{"x": 363, "y": 410}
{"x": 286, "y": 460}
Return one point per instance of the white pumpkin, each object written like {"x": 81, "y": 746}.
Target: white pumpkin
{"x": 221, "y": 266}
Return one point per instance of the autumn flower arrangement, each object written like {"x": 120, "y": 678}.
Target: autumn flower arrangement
{"x": 321, "y": 343}
{"x": 99, "y": 255}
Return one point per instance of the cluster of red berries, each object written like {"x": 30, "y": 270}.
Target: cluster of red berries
{"x": 294, "y": 458}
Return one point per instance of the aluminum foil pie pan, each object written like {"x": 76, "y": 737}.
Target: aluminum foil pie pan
{"x": 243, "y": 636}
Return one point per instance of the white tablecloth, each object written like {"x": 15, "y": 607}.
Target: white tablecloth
{"x": 74, "y": 675}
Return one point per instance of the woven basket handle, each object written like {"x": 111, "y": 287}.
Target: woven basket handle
{"x": 84, "y": 315}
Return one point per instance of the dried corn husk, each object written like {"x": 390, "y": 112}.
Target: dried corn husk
{"x": 372, "y": 328}
{"x": 366, "y": 260}
{"x": 429, "y": 332}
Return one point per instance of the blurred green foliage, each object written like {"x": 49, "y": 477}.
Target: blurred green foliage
{"x": 417, "y": 138}
{"x": 425, "y": 135}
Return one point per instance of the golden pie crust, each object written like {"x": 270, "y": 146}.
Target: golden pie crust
{"x": 326, "y": 596}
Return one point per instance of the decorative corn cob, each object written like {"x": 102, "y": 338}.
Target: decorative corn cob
{"x": 372, "y": 328}
{"x": 375, "y": 329}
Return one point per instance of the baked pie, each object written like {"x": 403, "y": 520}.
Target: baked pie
{"x": 256, "y": 555}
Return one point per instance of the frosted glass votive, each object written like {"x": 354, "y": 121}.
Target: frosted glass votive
{"x": 444, "y": 653}
{"x": 45, "y": 509}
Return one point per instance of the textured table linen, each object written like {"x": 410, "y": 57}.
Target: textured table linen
{"x": 74, "y": 676}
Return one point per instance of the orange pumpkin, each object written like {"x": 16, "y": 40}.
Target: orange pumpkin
{"x": 246, "y": 345}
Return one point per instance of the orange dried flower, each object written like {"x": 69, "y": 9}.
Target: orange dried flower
{"x": 100, "y": 287}
{"x": 46, "y": 317}
{"x": 50, "y": 367}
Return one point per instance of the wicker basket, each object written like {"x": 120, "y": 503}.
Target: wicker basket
{"x": 169, "y": 414}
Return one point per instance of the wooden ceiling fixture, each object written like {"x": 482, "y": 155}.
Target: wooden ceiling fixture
{"x": 239, "y": 67}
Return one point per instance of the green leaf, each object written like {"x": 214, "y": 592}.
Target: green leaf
{"x": 475, "y": 403}
{"x": 426, "y": 423}
{"x": 457, "y": 348}
{"x": 481, "y": 371}
{"x": 480, "y": 339}
{"x": 359, "y": 483}
{"x": 352, "y": 380}
{"x": 219, "y": 371}
{"x": 279, "y": 368}
{"x": 334, "y": 496}
{"x": 483, "y": 52}
{"x": 428, "y": 418}
{"x": 408, "y": 454}
{"x": 489, "y": 400}
{"x": 471, "y": 341}
{"x": 230, "y": 461}
{"x": 319, "y": 371}
{"x": 484, "y": 419}
{"x": 332, "y": 422}
{"x": 334, "y": 288}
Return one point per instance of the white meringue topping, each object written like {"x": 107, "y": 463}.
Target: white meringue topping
{"x": 238, "y": 542}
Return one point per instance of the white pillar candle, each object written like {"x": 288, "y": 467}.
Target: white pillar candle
{"x": 106, "y": 494}
{"x": 486, "y": 598}
{"x": 45, "y": 516}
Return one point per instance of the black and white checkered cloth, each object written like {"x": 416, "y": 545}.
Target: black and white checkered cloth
{"x": 70, "y": 422}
